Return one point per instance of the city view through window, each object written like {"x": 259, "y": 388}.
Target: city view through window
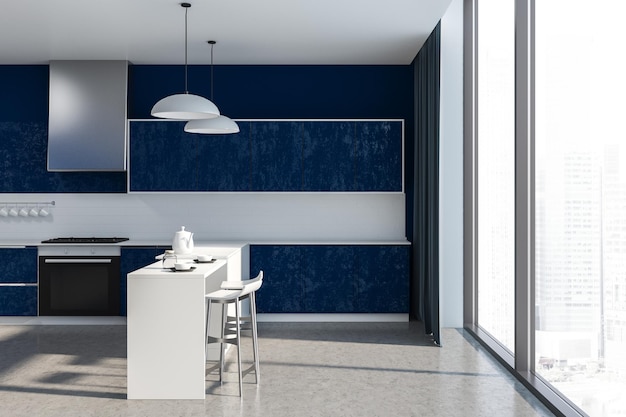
{"x": 580, "y": 203}
{"x": 579, "y": 194}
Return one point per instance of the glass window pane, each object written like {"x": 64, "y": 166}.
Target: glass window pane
{"x": 580, "y": 202}
{"x": 496, "y": 164}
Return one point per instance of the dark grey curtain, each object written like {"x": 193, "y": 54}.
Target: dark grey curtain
{"x": 425, "y": 259}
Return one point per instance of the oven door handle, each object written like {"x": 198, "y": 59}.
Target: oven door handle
{"x": 77, "y": 261}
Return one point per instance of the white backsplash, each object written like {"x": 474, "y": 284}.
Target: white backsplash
{"x": 250, "y": 217}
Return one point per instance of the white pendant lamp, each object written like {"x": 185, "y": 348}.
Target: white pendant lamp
{"x": 185, "y": 106}
{"x": 219, "y": 125}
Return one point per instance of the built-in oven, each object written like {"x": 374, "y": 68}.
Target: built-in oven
{"x": 79, "y": 279}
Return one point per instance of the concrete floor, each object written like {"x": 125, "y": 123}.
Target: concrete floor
{"x": 307, "y": 369}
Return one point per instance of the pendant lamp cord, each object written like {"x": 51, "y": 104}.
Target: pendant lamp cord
{"x": 212, "y": 44}
{"x": 186, "y": 10}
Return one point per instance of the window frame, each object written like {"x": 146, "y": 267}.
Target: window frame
{"x": 521, "y": 362}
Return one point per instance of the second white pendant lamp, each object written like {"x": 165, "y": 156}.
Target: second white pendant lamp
{"x": 218, "y": 125}
{"x": 185, "y": 106}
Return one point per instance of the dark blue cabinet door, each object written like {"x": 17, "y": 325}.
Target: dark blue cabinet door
{"x": 382, "y": 279}
{"x": 332, "y": 278}
{"x": 282, "y": 290}
{"x": 19, "y": 265}
{"x": 379, "y": 156}
{"x": 23, "y": 152}
{"x": 328, "y": 275}
{"x": 18, "y": 301}
{"x": 276, "y": 158}
{"x": 328, "y": 159}
{"x": 268, "y": 156}
{"x": 224, "y": 161}
{"x": 131, "y": 259}
{"x": 162, "y": 157}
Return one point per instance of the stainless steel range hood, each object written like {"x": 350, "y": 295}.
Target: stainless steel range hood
{"x": 87, "y": 116}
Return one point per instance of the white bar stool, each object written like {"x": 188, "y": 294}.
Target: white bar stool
{"x": 233, "y": 292}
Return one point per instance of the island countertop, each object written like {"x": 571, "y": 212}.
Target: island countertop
{"x": 165, "y": 330}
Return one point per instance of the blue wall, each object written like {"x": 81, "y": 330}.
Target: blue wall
{"x": 282, "y": 92}
{"x": 253, "y": 92}
{"x": 24, "y": 93}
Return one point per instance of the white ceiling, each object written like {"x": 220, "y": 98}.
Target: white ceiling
{"x": 248, "y": 32}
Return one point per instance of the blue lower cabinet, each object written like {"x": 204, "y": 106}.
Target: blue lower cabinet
{"x": 328, "y": 277}
{"x": 332, "y": 278}
{"x": 282, "y": 289}
{"x": 133, "y": 258}
{"x": 18, "y": 300}
{"x": 382, "y": 279}
{"x": 19, "y": 265}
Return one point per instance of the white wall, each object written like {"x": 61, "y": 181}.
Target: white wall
{"x": 250, "y": 217}
{"x": 451, "y": 168}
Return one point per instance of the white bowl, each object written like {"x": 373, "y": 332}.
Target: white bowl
{"x": 182, "y": 266}
{"x": 205, "y": 258}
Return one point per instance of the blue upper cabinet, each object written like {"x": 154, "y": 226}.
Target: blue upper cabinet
{"x": 23, "y": 152}
{"x": 162, "y": 157}
{"x": 224, "y": 160}
{"x": 324, "y": 156}
{"x": 379, "y": 156}
{"x": 276, "y": 156}
{"x": 328, "y": 158}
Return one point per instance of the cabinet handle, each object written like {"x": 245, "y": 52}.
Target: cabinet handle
{"x": 77, "y": 261}
{"x": 15, "y": 284}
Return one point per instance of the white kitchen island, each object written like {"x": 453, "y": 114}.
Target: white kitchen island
{"x": 165, "y": 325}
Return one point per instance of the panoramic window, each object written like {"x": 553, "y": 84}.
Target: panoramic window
{"x": 496, "y": 164}
{"x": 570, "y": 294}
{"x": 580, "y": 202}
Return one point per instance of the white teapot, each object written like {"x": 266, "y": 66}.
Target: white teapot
{"x": 183, "y": 242}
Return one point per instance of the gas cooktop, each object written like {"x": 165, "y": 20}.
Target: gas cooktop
{"x": 86, "y": 240}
